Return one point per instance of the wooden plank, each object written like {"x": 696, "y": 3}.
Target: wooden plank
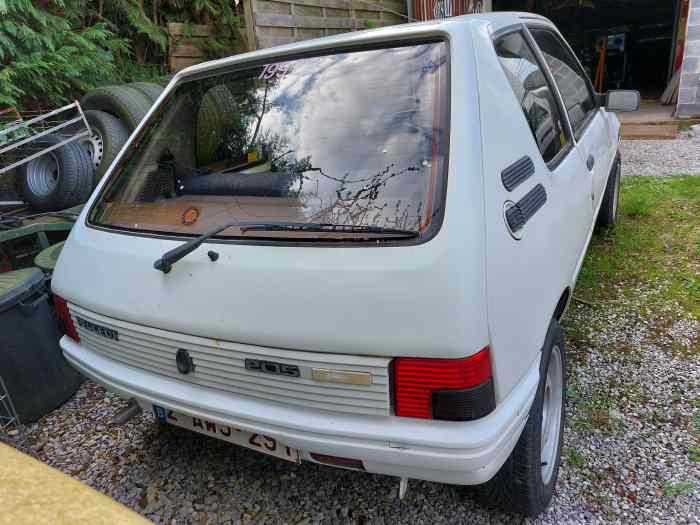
{"x": 307, "y": 10}
{"x": 293, "y": 11}
{"x": 177, "y": 29}
{"x": 186, "y": 50}
{"x": 270, "y": 6}
{"x": 317, "y": 22}
{"x": 265, "y": 41}
{"x": 304, "y": 33}
{"x": 178, "y": 63}
{"x": 649, "y": 132}
{"x": 368, "y": 15}
{"x": 343, "y": 13}
{"x": 250, "y": 25}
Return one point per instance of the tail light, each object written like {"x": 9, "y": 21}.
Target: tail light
{"x": 446, "y": 389}
{"x": 65, "y": 319}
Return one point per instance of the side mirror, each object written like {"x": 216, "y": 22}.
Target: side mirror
{"x": 622, "y": 100}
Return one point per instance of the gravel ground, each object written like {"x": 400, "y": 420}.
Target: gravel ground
{"x": 662, "y": 158}
{"x": 632, "y": 440}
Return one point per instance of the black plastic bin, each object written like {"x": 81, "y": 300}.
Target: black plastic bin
{"x": 36, "y": 375}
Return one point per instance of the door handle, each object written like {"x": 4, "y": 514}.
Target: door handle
{"x": 590, "y": 163}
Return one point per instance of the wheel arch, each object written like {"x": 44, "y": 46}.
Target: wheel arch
{"x": 562, "y": 304}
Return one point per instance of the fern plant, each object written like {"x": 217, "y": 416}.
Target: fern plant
{"x": 48, "y": 55}
{"x": 53, "y": 50}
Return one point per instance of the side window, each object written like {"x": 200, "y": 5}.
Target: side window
{"x": 532, "y": 91}
{"x": 569, "y": 77}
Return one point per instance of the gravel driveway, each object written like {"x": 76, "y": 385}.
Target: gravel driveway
{"x": 630, "y": 453}
{"x": 662, "y": 158}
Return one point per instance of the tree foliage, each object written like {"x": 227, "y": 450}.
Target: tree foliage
{"x": 53, "y": 50}
{"x": 48, "y": 55}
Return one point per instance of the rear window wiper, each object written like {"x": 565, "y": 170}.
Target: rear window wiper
{"x": 166, "y": 261}
{"x": 321, "y": 227}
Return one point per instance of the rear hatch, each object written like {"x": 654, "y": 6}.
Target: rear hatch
{"x": 328, "y": 175}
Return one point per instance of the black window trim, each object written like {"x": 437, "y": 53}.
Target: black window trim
{"x": 578, "y": 134}
{"x": 521, "y": 28}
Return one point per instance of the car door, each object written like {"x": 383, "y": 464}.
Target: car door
{"x": 588, "y": 120}
{"x": 538, "y": 200}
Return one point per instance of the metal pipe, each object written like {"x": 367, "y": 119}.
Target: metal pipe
{"x": 133, "y": 409}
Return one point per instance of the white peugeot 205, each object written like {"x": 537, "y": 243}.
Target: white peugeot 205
{"x": 356, "y": 251}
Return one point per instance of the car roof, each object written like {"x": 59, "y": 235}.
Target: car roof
{"x": 415, "y": 30}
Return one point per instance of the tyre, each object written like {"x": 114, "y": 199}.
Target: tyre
{"x": 127, "y": 104}
{"x": 218, "y": 115}
{"x": 59, "y": 179}
{"x": 108, "y": 136}
{"x": 525, "y": 483}
{"x": 611, "y": 199}
{"x": 151, "y": 90}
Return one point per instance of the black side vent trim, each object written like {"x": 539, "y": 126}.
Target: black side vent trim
{"x": 523, "y": 211}
{"x": 517, "y": 173}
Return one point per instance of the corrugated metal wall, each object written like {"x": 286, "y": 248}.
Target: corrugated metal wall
{"x": 434, "y": 9}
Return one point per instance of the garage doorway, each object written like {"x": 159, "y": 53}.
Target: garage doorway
{"x": 638, "y": 37}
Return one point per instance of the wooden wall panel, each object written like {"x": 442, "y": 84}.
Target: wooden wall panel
{"x": 313, "y": 18}
{"x": 270, "y": 23}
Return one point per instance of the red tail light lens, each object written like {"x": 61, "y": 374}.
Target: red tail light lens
{"x": 65, "y": 319}
{"x": 449, "y": 389}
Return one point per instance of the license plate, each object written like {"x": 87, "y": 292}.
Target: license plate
{"x": 261, "y": 443}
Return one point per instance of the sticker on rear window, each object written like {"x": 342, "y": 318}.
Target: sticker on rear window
{"x": 277, "y": 70}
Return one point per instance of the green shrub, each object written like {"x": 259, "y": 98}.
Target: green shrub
{"x": 54, "y": 50}
{"x": 49, "y": 55}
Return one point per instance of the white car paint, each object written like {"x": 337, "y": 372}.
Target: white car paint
{"x": 471, "y": 286}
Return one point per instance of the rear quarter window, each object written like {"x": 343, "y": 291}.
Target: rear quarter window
{"x": 532, "y": 91}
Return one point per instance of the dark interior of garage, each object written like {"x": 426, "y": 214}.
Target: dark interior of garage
{"x": 638, "y": 35}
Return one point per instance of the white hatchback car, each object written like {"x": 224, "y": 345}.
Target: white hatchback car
{"x": 393, "y": 223}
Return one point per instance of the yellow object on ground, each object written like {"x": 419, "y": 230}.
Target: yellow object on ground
{"x": 34, "y": 493}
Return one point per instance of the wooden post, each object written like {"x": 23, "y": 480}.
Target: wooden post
{"x": 250, "y": 24}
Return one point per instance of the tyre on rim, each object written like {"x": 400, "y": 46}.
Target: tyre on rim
{"x": 525, "y": 483}
{"x": 607, "y": 216}
{"x": 108, "y": 136}
{"x": 42, "y": 175}
{"x": 551, "y": 414}
{"x": 95, "y": 147}
{"x": 58, "y": 179}
{"x": 149, "y": 89}
{"x": 127, "y": 104}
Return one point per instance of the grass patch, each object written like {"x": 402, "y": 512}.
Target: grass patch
{"x": 672, "y": 490}
{"x": 594, "y": 413}
{"x": 656, "y": 239}
{"x": 575, "y": 458}
{"x": 694, "y": 454}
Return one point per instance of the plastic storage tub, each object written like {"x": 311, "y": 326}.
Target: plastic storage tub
{"x": 36, "y": 375}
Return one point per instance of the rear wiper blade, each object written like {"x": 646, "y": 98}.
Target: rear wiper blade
{"x": 166, "y": 261}
{"x": 321, "y": 227}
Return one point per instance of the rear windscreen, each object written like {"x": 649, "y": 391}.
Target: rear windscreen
{"x": 348, "y": 146}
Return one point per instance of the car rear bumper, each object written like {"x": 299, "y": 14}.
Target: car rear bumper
{"x": 465, "y": 453}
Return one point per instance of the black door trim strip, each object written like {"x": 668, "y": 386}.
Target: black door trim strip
{"x": 526, "y": 207}
{"x": 517, "y": 173}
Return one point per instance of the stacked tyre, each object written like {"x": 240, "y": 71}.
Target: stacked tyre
{"x": 66, "y": 176}
{"x": 113, "y": 113}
